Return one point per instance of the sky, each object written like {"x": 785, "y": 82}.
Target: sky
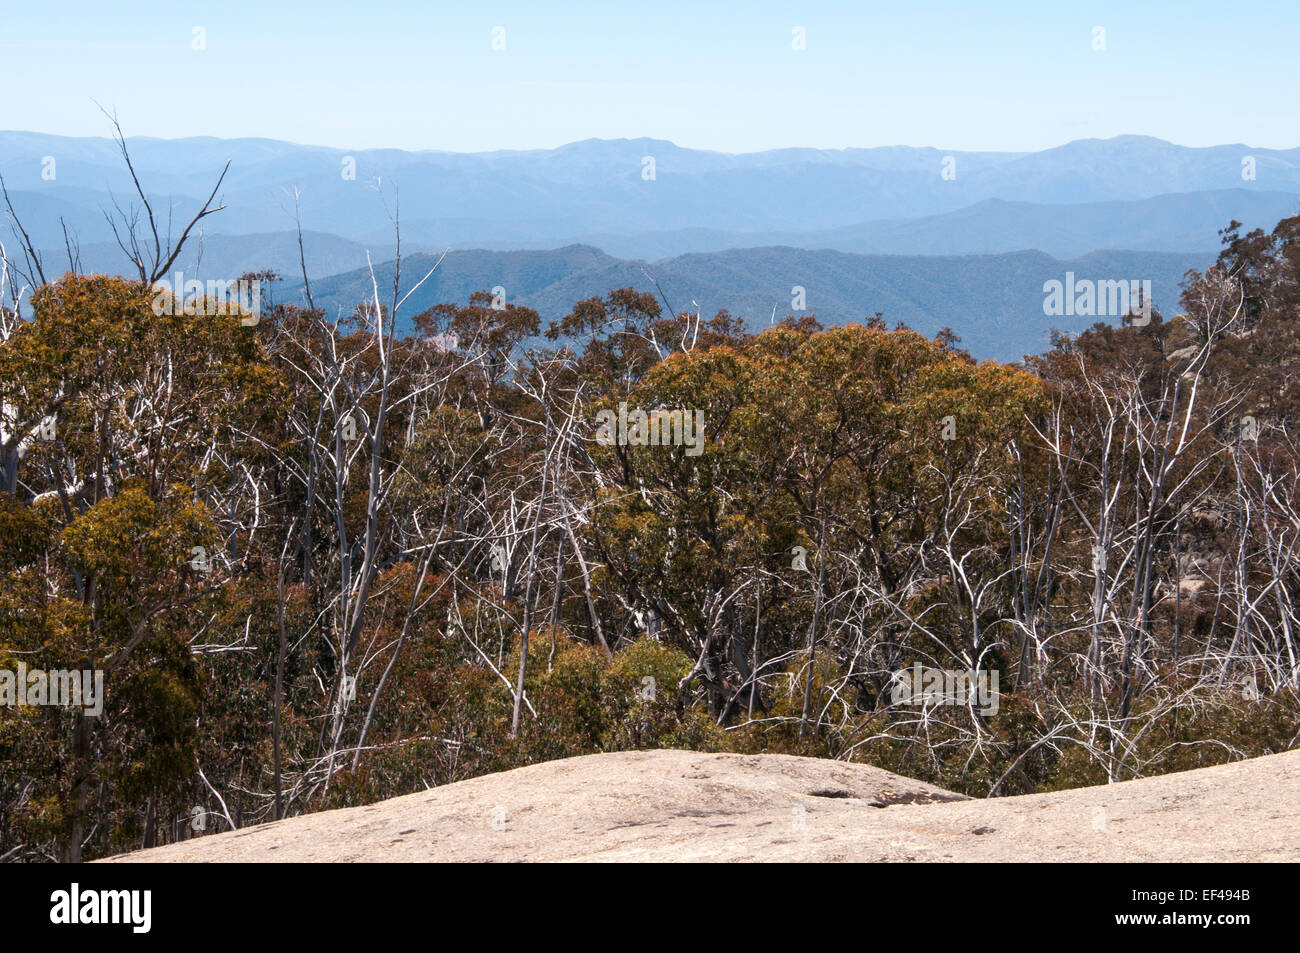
{"x": 1009, "y": 76}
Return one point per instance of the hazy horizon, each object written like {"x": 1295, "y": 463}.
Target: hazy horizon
{"x": 108, "y": 135}
{"x": 728, "y": 78}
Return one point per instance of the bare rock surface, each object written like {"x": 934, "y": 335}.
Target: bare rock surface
{"x": 685, "y": 806}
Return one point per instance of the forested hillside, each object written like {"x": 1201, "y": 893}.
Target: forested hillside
{"x": 994, "y": 303}
{"x": 1124, "y": 191}
{"x": 319, "y": 563}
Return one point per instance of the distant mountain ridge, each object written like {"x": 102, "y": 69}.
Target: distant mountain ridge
{"x": 1181, "y": 222}
{"x": 994, "y": 302}
{"x": 593, "y": 188}
{"x": 863, "y": 230}
{"x": 229, "y": 256}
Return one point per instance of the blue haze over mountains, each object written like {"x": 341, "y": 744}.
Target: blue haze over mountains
{"x": 864, "y": 230}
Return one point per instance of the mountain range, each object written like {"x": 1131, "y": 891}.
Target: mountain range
{"x": 931, "y": 237}
{"x": 993, "y": 302}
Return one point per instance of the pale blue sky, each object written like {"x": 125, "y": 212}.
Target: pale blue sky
{"x": 422, "y": 74}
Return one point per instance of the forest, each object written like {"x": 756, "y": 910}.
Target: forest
{"x": 320, "y": 561}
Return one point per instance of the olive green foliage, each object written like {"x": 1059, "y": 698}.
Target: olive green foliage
{"x": 313, "y": 561}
